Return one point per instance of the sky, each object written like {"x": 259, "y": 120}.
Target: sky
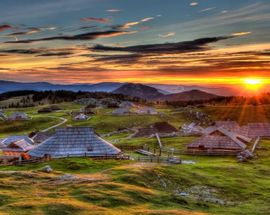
{"x": 192, "y": 42}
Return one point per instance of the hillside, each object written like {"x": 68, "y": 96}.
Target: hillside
{"x": 193, "y": 95}
{"x": 138, "y": 90}
{"x": 80, "y": 185}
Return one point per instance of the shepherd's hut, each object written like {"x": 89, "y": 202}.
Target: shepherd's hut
{"x": 75, "y": 142}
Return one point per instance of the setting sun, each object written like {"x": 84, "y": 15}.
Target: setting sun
{"x": 253, "y": 83}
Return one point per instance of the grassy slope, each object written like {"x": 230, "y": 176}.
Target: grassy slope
{"x": 242, "y": 114}
{"x": 130, "y": 188}
{"x": 127, "y": 187}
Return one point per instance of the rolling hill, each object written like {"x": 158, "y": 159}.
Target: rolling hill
{"x": 139, "y": 90}
{"x": 193, "y": 95}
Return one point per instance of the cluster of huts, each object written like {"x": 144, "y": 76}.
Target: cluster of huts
{"x": 225, "y": 137}
{"x": 122, "y": 107}
{"x": 127, "y": 107}
{"x": 16, "y": 116}
{"x": 98, "y": 103}
{"x": 65, "y": 142}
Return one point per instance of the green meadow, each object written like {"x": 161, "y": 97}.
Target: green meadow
{"x": 213, "y": 185}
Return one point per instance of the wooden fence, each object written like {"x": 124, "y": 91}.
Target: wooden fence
{"x": 157, "y": 159}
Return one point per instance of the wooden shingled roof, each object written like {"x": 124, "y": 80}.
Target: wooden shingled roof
{"x": 229, "y": 125}
{"x": 75, "y": 142}
{"x": 215, "y": 142}
{"x": 19, "y": 146}
{"x": 220, "y": 138}
{"x": 250, "y": 130}
{"x": 258, "y": 130}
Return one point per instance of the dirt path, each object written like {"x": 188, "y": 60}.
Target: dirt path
{"x": 64, "y": 120}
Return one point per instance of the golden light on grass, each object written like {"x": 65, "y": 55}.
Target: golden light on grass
{"x": 253, "y": 83}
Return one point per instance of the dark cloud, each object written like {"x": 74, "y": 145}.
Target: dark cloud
{"x": 85, "y": 36}
{"x": 120, "y": 59}
{"x": 29, "y": 31}
{"x": 21, "y": 51}
{"x": 4, "y": 69}
{"x": 87, "y": 27}
{"x": 180, "y": 47}
{"x": 51, "y": 54}
{"x": 93, "y": 19}
{"x": 39, "y": 52}
{"x": 5, "y": 27}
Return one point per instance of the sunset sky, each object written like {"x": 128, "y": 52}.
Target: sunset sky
{"x": 203, "y": 42}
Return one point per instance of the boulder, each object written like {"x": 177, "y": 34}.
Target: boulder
{"x": 47, "y": 169}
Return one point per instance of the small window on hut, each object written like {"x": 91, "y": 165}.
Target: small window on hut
{"x": 89, "y": 149}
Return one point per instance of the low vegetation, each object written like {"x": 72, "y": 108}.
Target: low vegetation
{"x": 213, "y": 185}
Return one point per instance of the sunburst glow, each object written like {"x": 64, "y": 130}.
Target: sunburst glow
{"x": 253, "y": 83}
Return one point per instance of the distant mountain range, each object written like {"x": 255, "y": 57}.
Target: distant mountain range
{"x": 171, "y": 89}
{"x": 6, "y": 86}
{"x": 151, "y": 91}
{"x": 147, "y": 92}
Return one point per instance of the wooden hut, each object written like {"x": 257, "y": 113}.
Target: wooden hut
{"x": 164, "y": 129}
{"x": 122, "y": 111}
{"x": 218, "y": 142}
{"x": 14, "y": 138}
{"x": 75, "y": 142}
{"x": 16, "y": 148}
{"x": 80, "y": 117}
{"x": 18, "y": 116}
{"x": 146, "y": 110}
{"x": 127, "y": 104}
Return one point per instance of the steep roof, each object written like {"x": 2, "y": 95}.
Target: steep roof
{"x": 229, "y": 125}
{"x": 16, "y": 138}
{"x": 226, "y": 140}
{"x": 74, "y": 141}
{"x": 258, "y": 129}
{"x": 19, "y": 146}
{"x": 39, "y": 137}
{"x": 127, "y": 104}
{"x": 146, "y": 110}
{"x": 122, "y": 110}
{"x": 163, "y": 127}
{"x": 158, "y": 127}
{"x": 251, "y": 130}
{"x": 215, "y": 142}
{"x": 81, "y": 116}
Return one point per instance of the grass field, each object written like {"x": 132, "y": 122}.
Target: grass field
{"x": 128, "y": 187}
{"x": 242, "y": 114}
{"x": 214, "y": 185}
